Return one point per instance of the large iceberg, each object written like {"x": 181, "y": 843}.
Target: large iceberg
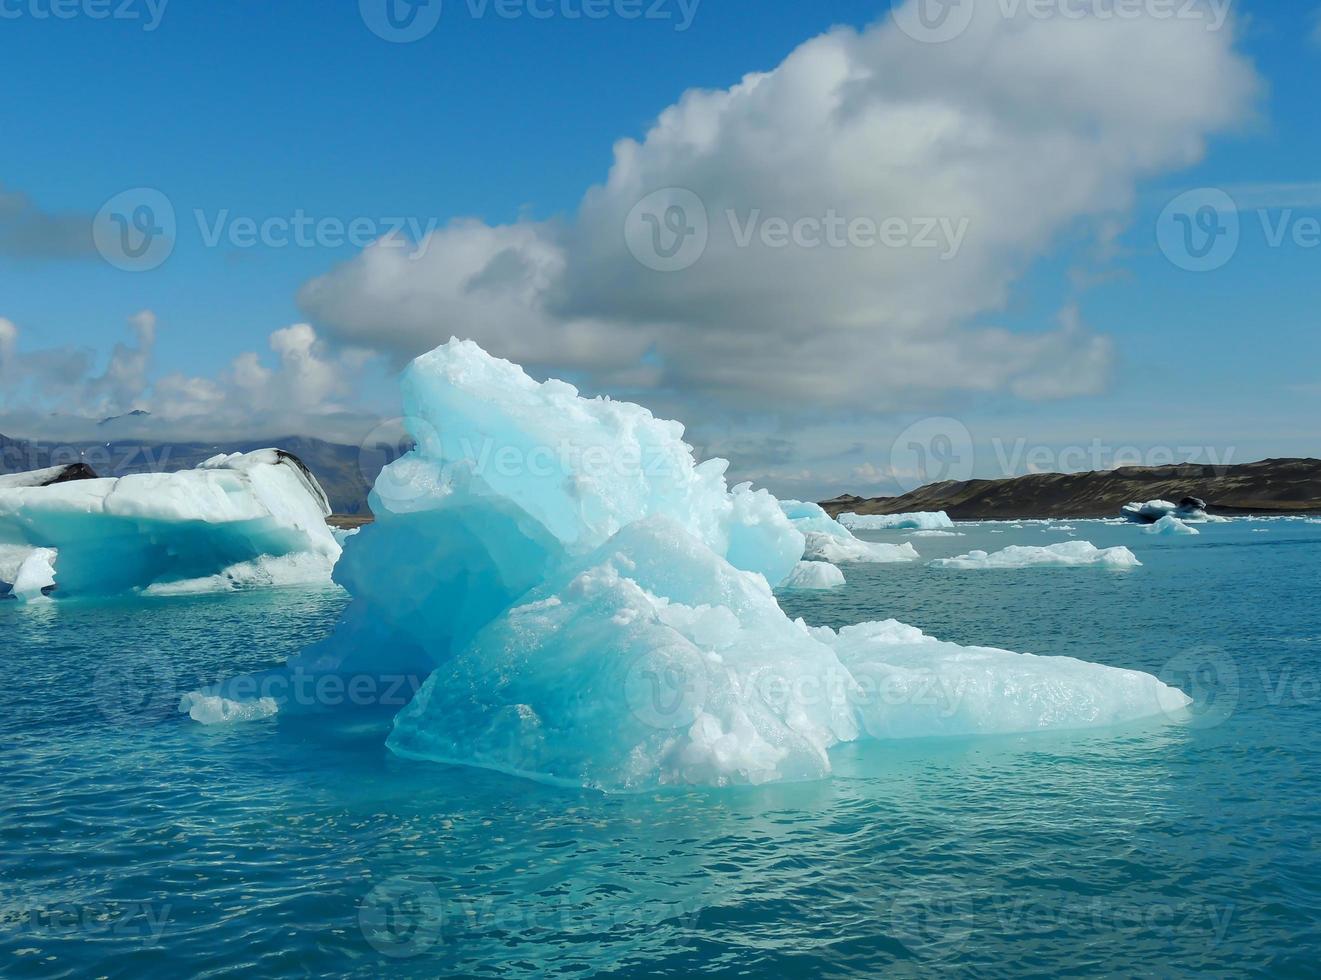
{"x": 245, "y": 519}
{"x": 593, "y": 607}
{"x": 916, "y": 521}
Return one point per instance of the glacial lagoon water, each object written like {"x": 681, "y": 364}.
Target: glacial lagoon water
{"x": 137, "y": 842}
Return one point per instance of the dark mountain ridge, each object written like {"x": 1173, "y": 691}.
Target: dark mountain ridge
{"x": 1270, "y": 486}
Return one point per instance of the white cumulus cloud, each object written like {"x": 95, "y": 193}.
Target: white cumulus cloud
{"x": 914, "y": 184}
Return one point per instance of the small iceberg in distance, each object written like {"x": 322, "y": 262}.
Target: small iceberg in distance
{"x": 240, "y": 520}
{"x": 916, "y": 521}
{"x": 1169, "y": 525}
{"x": 1188, "y": 509}
{"x": 606, "y": 617}
{"x": 1067, "y": 553}
{"x": 827, "y": 540}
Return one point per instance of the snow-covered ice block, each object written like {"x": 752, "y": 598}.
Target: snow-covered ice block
{"x": 919, "y": 521}
{"x": 1067, "y": 553}
{"x": 814, "y": 575}
{"x": 1168, "y": 525}
{"x": 153, "y": 530}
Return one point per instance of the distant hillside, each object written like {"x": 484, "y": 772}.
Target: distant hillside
{"x": 343, "y": 471}
{"x": 1272, "y": 486}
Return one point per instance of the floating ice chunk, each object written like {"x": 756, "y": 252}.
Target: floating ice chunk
{"x": 1169, "y": 524}
{"x": 612, "y": 626}
{"x": 910, "y": 685}
{"x": 27, "y": 572}
{"x": 919, "y": 520}
{"x": 937, "y": 534}
{"x": 814, "y": 575}
{"x": 836, "y": 550}
{"x": 652, "y": 661}
{"x": 825, "y": 539}
{"x": 210, "y": 709}
{"x": 1022, "y": 556}
{"x": 139, "y": 531}
{"x": 1189, "y": 509}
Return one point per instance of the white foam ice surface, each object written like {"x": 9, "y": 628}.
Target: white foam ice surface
{"x": 597, "y": 609}
{"x": 918, "y": 520}
{"x": 158, "y": 530}
{"x": 814, "y": 575}
{"x": 1066, "y": 553}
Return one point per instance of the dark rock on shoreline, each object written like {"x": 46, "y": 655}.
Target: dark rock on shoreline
{"x": 1271, "y": 486}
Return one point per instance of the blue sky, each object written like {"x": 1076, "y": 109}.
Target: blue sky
{"x": 267, "y": 111}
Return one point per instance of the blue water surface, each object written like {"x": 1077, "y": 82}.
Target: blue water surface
{"x": 135, "y": 842}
